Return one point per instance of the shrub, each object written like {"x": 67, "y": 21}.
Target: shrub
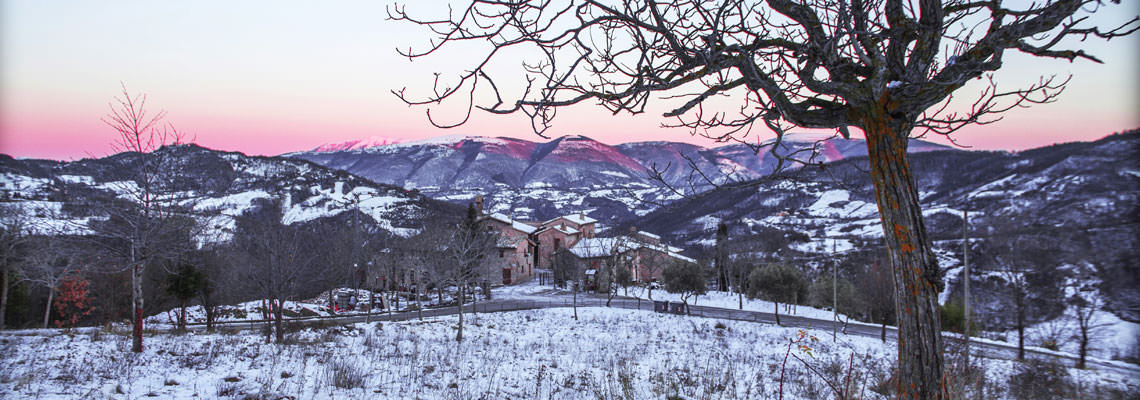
{"x": 1040, "y": 380}
{"x": 345, "y": 375}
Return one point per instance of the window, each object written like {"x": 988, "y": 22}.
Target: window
{"x": 557, "y": 243}
{"x": 501, "y": 252}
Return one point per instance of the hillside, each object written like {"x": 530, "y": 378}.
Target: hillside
{"x": 214, "y": 185}
{"x": 1076, "y": 205}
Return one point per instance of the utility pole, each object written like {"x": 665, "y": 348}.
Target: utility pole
{"x": 834, "y": 292}
{"x": 966, "y": 271}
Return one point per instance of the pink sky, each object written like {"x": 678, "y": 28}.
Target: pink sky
{"x": 264, "y": 79}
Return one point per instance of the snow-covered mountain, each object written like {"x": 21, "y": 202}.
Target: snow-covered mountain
{"x": 218, "y": 185}
{"x": 1078, "y": 204}
{"x": 357, "y": 144}
{"x": 535, "y": 180}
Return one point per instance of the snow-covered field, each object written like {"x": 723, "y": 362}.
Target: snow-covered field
{"x": 607, "y": 353}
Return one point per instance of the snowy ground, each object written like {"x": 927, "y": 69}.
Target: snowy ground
{"x": 607, "y": 353}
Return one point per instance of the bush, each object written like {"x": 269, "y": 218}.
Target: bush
{"x": 778, "y": 283}
{"x": 820, "y": 295}
{"x": 954, "y": 317}
{"x": 345, "y": 375}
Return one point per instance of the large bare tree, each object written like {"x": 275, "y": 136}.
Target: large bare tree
{"x": 145, "y": 222}
{"x": 889, "y": 68}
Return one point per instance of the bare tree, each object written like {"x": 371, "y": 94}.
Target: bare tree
{"x": 146, "y": 215}
{"x": 14, "y": 237}
{"x": 568, "y": 268}
{"x": 1085, "y": 304}
{"x": 49, "y": 263}
{"x": 878, "y": 295}
{"x": 1024, "y": 262}
{"x": 468, "y": 249}
{"x": 616, "y": 271}
{"x": 887, "y": 67}
{"x": 277, "y": 258}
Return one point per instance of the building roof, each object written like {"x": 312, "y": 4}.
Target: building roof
{"x": 577, "y": 219}
{"x": 580, "y": 219}
{"x": 515, "y": 224}
{"x": 561, "y": 228}
{"x": 604, "y": 247}
{"x": 600, "y": 247}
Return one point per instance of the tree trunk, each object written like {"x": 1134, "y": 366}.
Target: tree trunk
{"x": 3, "y": 297}
{"x": 137, "y": 300}
{"x": 277, "y": 320}
{"x": 47, "y": 310}
{"x": 210, "y": 311}
{"x": 776, "y": 306}
{"x": 740, "y": 300}
{"x": 883, "y": 332}
{"x": 915, "y": 269}
{"x": 1084, "y": 347}
{"x": 575, "y": 303}
{"x": 1020, "y": 329}
{"x": 181, "y": 315}
{"x": 459, "y": 333}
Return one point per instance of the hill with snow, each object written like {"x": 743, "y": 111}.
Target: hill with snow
{"x": 534, "y": 180}
{"x": 215, "y": 186}
{"x": 1067, "y": 215}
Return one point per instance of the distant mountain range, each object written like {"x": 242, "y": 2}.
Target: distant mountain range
{"x": 478, "y": 161}
{"x": 539, "y": 180}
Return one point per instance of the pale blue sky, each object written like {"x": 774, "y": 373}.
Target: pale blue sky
{"x": 269, "y": 77}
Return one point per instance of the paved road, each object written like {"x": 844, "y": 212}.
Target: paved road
{"x": 981, "y": 349}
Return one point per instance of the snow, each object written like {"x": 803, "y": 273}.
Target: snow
{"x": 357, "y": 144}
{"x": 23, "y": 184}
{"x": 707, "y": 222}
{"x": 79, "y": 179}
{"x": 606, "y": 352}
{"x": 826, "y": 206}
{"x": 328, "y": 203}
{"x": 893, "y": 84}
{"x": 615, "y": 174}
{"x": 48, "y": 218}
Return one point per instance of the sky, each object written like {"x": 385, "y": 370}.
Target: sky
{"x": 267, "y": 78}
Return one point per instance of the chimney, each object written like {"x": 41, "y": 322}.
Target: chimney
{"x": 582, "y": 215}
{"x": 479, "y": 205}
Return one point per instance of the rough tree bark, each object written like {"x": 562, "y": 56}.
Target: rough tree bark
{"x": 913, "y": 264}
{"x": 459, "y": 302}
